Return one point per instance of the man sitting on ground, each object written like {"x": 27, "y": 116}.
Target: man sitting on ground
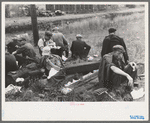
{"x": 53, "y": 68}
{"x": 26, "y": 49}
{"x": 10, "y": 65}
{"x": 51, "y": 63}
{"x": 60, "y": 41}
{"x": 79, "y": 48}
{"x": 45, "y": 41}
{"x": 113, "y": 72}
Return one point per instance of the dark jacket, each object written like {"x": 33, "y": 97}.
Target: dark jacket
{"x": 109, "y": 79}
{"x": 10, "y": 63}
{"x": 12, "y": 46}
{"x": 26, "y": 50}
{"x": 106, "y": 76}
{"x": 80, "y": 49}
{"x": 109, "y": 42}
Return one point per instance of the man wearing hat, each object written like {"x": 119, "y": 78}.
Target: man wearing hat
{"x": 26, "y": 49}
{"x": 46, "y": 41}
{"x": 53, "y": 68}
{"x": 61, "y": 41}
{"x": 50, "y": 62}
{"x": 113, "y": 72}
{"x": 112, "y": 40}
{"x": 79, "y": 48}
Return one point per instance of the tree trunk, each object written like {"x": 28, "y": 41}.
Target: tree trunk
{"x": 34, "y": 24}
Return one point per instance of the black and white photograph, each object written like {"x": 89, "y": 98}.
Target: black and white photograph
{"x": 72, "y": 58}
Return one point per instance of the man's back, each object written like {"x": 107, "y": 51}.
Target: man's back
{"x": 114, "y": 40}
{"x": 79, "y": 48}
{"x": 58, "y": 38}
{"x": 111, "y": 41}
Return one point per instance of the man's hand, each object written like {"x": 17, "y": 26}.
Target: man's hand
{"x": 14, "y": 52}
{"x": 17, "y": 46}
{"x": 133, "y": 65}
{"x": 47, "y": 60}
{"x": 42, "y": 70}
{"x": 130, "y": 83}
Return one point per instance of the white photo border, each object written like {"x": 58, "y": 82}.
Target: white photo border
{"x": 63, "y": 111}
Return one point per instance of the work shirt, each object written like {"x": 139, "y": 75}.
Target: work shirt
{"x": 27, "y": 50}
{"x": 59, "y": 39}
{"x": 43, "y": 43}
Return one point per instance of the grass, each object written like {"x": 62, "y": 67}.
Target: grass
{"x": 24, "y": 23}
{"x": 130, "y": 27}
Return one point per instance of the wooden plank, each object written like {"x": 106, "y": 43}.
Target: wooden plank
{"x": 84, "y": 80}
{"x": 85, "y": 67}
{"x": 100, "y": 91}
{"x": 86, "y": 85}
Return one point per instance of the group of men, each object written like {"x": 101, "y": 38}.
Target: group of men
{"x": 20, "y": 53}
{"x": 59, "y": 44}
{"x": 114, "y": 68}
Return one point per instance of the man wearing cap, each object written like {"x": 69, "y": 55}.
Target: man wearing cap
{"x": 25, "y": 48}
{"x": 113, "y": 72}
{"x": 112, "y": 40}
{"x": 51, "y": 63}
{"x": 79, "y": 48}
{"x": 46, "y": 41}
{"x": 53, "y": 68}
{"x": 61, "y": 41}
